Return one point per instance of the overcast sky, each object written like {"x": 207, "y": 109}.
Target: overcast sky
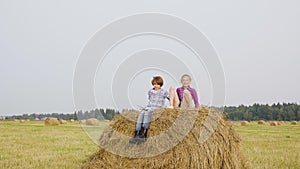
{"x": 257, "y": 42}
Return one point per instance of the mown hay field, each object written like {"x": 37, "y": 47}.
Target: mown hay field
{"x": 266, "y": 146}
{"x": 34, "y": 145}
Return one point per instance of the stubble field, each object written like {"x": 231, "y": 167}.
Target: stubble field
{"x": 34, "y": 145}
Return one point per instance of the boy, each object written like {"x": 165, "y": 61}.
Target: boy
{"x": 156, "y": 97}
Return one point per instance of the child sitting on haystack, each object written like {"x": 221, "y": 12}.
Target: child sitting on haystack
{"x": 185, "y": 95}
{"x": 156, "y": 97}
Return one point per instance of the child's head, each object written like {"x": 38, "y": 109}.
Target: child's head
{"x": 186, "y": 80}
{"x": 157, "y": 82}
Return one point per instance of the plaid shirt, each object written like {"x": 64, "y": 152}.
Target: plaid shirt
{"x": 157, "y": 98}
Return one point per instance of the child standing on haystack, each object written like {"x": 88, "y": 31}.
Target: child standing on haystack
{"x": 156, "y": 96}
{"x": 184, "y": 95}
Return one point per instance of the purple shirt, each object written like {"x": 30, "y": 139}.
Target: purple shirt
{"x": 193, "y": 92}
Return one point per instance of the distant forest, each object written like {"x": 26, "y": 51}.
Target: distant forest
{"x": 279, "y": 112}
{"x": 107, "y": 114}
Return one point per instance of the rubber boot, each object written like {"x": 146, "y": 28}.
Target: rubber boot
{"x": 140, "y": 136}
{"x": 143, "y": 137}
{"x": 136, "y": 136}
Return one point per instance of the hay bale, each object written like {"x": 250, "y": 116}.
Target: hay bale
{"x": 28, "y": 120}
{"x": 220, "y": 150}
{"x": 51, "y": 121}
{"x": 273, "y": 123}
{"x": 261, "y": 122}
{"x": 72, "y": 120}
{"x": 279, "y": 123}
{"x": 62, "y": 121}
{"x": 83, "y": 122}
{"x": 294, "y": 122}
{"x": 92, "y": 122}
{"x": 244, "y": 123}
{"x": 22, "y": 121}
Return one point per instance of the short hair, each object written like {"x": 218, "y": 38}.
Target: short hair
{"x": 158, "y": 80}
{"x": 186, "y": 75}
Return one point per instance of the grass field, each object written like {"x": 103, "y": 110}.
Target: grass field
{"x": 269, "y": 147}
{"x": 34, "y": 145}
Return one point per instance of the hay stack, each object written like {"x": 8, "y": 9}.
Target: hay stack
{"x": 72, "y": 120}
{"x": 261, "y": 122}
{"x": 294, "y": 122}
{"x": 107, "y": 121}
{"x": 51, "y": 121}
{"x": 273, "y": 123}
{"x": 219, "y": 150}
{"x": 62, "y": 121}
{"x": 92, "y": 122}
{"x": 83, "y": 122}
{"x": 22, "y": 121}
{"x": 244, "y": 123}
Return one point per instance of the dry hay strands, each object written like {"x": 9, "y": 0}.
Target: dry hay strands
{"x": 62, "y": 121}
{"x": 273, "y": 123}
{"x": 22, "y": 121}
{"x": 219, "y": 150}
{"x": 51, "y": 121}
{"x": 244, "y": 123}
{"x": 294, "y": 122}
{"x": 261, "y": 122}
{"x": 83, "y": 122}
{"x": 92, "y": 122}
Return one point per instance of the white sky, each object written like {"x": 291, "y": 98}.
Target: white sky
{"x": 257, "y": 42}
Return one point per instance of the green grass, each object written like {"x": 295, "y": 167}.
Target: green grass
{"x": 34, "y": 145}
{"x": 266, "y": 146}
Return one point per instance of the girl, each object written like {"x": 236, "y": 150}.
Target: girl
{"x": 183, "y": 96}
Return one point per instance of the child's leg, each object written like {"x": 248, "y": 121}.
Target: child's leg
{"x": 174, "y": 100}
{"x": 138, "y": 127}
{"x": 140, "y": 121}
{"x": 187, "y": 99}
{"x": 147, "y": 118}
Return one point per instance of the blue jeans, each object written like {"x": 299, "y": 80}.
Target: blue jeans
{"x": 144, "y": 119}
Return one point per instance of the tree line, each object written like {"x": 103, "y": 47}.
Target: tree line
{"x": 278, "y": 112}
{"x": 101, "y": 113}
